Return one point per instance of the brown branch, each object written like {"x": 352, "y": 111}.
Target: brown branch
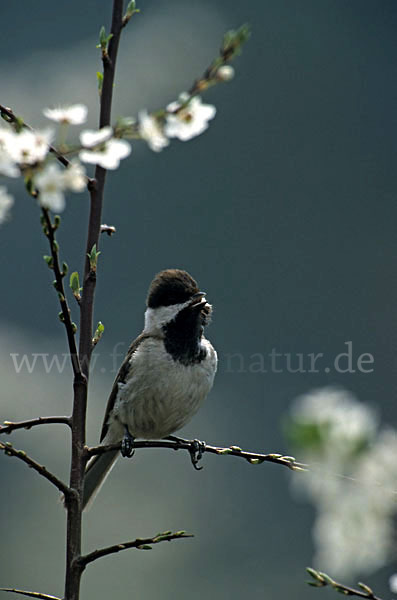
{"x": 9, "y": 450}
{"x": 139, "y": 544}
{"x": 78, "y": 456}
{"x": 190, "y": 445}
{"x": 30, "y": 594}
{"x": 96, "y": 190}
{"x": 323, "y": 580}
{"x": 49, "y": 231}
{"x": 10, "y": 426}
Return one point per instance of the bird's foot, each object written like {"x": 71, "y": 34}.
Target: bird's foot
{"x": 196, "y": 453}
{"x": 127, "y": 444}
{"x": 196, "y": 449}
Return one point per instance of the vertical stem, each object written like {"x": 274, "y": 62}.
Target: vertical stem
{"x": 73, "y": 504}
{"x": 78, "y": 459}
{"x": 94, "y": 228}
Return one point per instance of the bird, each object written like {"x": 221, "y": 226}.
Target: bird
{"x": 166, "y": 374}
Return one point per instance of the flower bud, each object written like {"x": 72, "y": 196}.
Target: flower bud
{"x": 225, "y": 73}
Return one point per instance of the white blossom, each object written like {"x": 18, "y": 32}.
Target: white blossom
{"x": 90, "y": 138}
{"x": 351, "y": 536}
{"x": 102, "y": 149}
{"x": 50, "y": 184}
{"x": 150, "y": 130}
{"x": 75, "y": 114}
{"x": 336, "y": 412}
{"x": 6, "y": 201}
{"x": 74, "y": 176}
{"x": 393, "y": 583}
{"x": 29, "y": 147}
{"x": 189, "y": 121}
{"x": 352, "y": 480}
{"x": 8, "y": 165}
{"x": 378, "y": 470}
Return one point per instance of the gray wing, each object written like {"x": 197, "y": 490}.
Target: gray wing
{"x": 121, "y": 377}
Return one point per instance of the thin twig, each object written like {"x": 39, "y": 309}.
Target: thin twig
{"x": 323, "y": 580}
{"x": 190, "y": 445}
{"x": 9, "y": 450}
{"x": 49, "y": 230}
{"x": 12, "y": 426}
{"x": 229, "y": 49}
{"x": 139, "y": 543}
{"x": 30, "y": 594}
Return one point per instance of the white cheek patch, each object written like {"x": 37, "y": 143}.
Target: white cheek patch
{"x": 156, "y": 318}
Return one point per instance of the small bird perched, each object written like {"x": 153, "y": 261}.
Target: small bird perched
{"x": 166, "y": 375}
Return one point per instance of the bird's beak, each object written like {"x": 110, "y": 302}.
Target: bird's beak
{"x": 198, "y": 300}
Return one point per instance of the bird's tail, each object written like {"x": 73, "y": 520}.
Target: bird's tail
{"x": 98, "y": 468}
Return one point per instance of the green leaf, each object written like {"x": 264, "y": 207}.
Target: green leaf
{"x": 49, "y": 260}
{"x": 102, "y": 37}
{"x": 74, "y": 283}
{"x": 99, "y": 77}
{"x": 93, "y": 257}
{"x": 327, "y": 578}
{"x": 234, "y": 39}
{"x": 98, "y": 333}
{"x": 18, "y": 124}
{"x": 65, "y": 269}
{"x": 131, "y": 10}
{"x": 317, "y": 576}
{"x": 365, "y": 588}
{"x": 30, "y": 186}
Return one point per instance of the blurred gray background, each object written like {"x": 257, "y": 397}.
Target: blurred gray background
{"x": 285, "y": 211}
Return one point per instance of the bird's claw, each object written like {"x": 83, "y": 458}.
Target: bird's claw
{"x": 127, "y": 444}
{"x": 196, "y": 453}
{"x": 196, "y": 449}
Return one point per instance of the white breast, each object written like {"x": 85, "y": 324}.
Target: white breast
{"x": 161, "y": 395}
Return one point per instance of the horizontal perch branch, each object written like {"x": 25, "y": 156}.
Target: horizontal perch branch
{"x": 190, "y": 445}
{"x": 9, "y": 426}
{"x": 323, "y": 580}
{"x": 139, "y": 544}
{"x": 30, "y": 594}
{"x": 9, "y": 450}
